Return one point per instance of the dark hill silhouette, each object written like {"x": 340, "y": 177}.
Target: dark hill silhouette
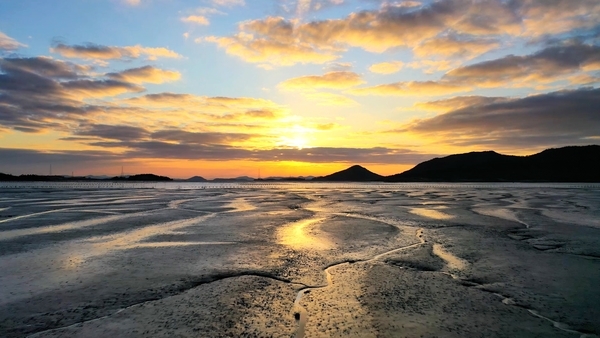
{"x": 142, "y": 177}
{"x": 355, "y": 173}
{"x": 568, "y": 164}
{"x": 196, "y": 179}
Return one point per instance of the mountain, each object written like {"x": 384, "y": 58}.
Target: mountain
{"x": 355, "y": 173}
{"x": 196, "y": 179}
{"x": 568, "y": 164}
{"x": 142, "y": 177}
{"x": 235, "y": 179}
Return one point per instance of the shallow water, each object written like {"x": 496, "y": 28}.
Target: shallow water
{"x": 96, "y": 253}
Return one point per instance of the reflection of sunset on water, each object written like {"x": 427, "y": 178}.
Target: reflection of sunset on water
{"x": 301, "y": 235}
{"x": 430, "y": 213}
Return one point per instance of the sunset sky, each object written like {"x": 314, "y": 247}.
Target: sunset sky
{"x": 224, "y": 88}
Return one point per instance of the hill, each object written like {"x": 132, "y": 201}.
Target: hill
{"x": 196, "y": 179}
{"x": 355, "y": 173}
{"x": 142, "y": 177}
{"x": 568, "y": 164}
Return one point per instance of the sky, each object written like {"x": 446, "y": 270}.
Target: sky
{"x": 226, "y": 88}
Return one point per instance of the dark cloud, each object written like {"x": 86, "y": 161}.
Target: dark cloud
{"x": 100, "y": 52}
{"x": 24, "y": 161}
{"x": 44, "y": 66}
{"x": 200, "y": 138}
{"x": 40, "y": 93}
{"x": 558, "y": 118}
{"x": 546, "y": 64}
{"x": 112, "y": 132}
{"x": 215, "y": 152}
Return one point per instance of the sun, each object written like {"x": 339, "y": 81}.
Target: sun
{"x": 295, "y": 141}
{"x": 296, "y": 137}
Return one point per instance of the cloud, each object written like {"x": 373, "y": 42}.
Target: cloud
{"x": 452, "y": 46}
{"x": 564, "y": 16}
{"x": 44, "y": 66}
{"x": 195, "y": 102}
{"x": 218, "y": 152}
{"x": 112, "y": 132}
{"x": 331, "y": 80}
{"x": 146, "y": 74}
{"x": 387, "y": 67}
{"x": 9, "y": 44}
{"x": 14, "y": 160}
{"x": 201, "y": 138}
{"x": 40, "y": 93}
{"x": 101, "y": 52}
{"x": 563, "y": 117}
{"x": 133, "y": 2}
{"x": 272, "y": 42}
{"x": 459, "y": 102}
{"x": 546, "y": 65}
{"x": 330, "y": 99}
{"x": 432, "y": 66}
{"x": 339, "y": 66}
{"x": 444, "y": 28}
{"x": 228, "y": 3}
{"x": 196, "y": 19}
{"x": 84, "y": 89}
{"x": 372, "y": 30}
{"x": 420, "y": 88}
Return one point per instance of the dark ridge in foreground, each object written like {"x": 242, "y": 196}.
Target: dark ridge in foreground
{"x": 567, "y": 164}
{"x": 355, "y": 173}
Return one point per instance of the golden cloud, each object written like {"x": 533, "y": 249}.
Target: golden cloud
{"x": 330, "y": 99}
{"x": 387, "y": 67}
{"x": 331, "y": 80}
{"x": 451, "y": 46}
{"x": 420, "y": 88}
{"x": 146, "y": 74}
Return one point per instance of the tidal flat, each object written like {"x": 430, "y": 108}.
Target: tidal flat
{"x": 299, "y": 260}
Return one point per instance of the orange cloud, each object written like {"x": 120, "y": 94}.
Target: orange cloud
{"x": 146, "y": 74}
{"x": 274, "y": 53}
{"x": 452, "y": 46}
{"x": 421, "y": 88}
{"x": 331, "y": 80}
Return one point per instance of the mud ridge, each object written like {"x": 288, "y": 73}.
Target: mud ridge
{"x": 511, "y": 302}
{"x": 300, "y": 313}
{"x": 188, "y": 285}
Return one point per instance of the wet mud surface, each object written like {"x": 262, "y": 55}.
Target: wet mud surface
{"x": 301, "y": 261}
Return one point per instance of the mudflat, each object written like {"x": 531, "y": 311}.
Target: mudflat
{"x": 300, "y": 260}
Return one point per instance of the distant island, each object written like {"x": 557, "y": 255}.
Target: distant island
{"x": 59, "y": 178}
{"x": 567, "y": 164}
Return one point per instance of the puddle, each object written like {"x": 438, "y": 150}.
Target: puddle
{"x": 297, "y": 236}
{"x": 453, "y": 262}
{"x": 430, "y": 213}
